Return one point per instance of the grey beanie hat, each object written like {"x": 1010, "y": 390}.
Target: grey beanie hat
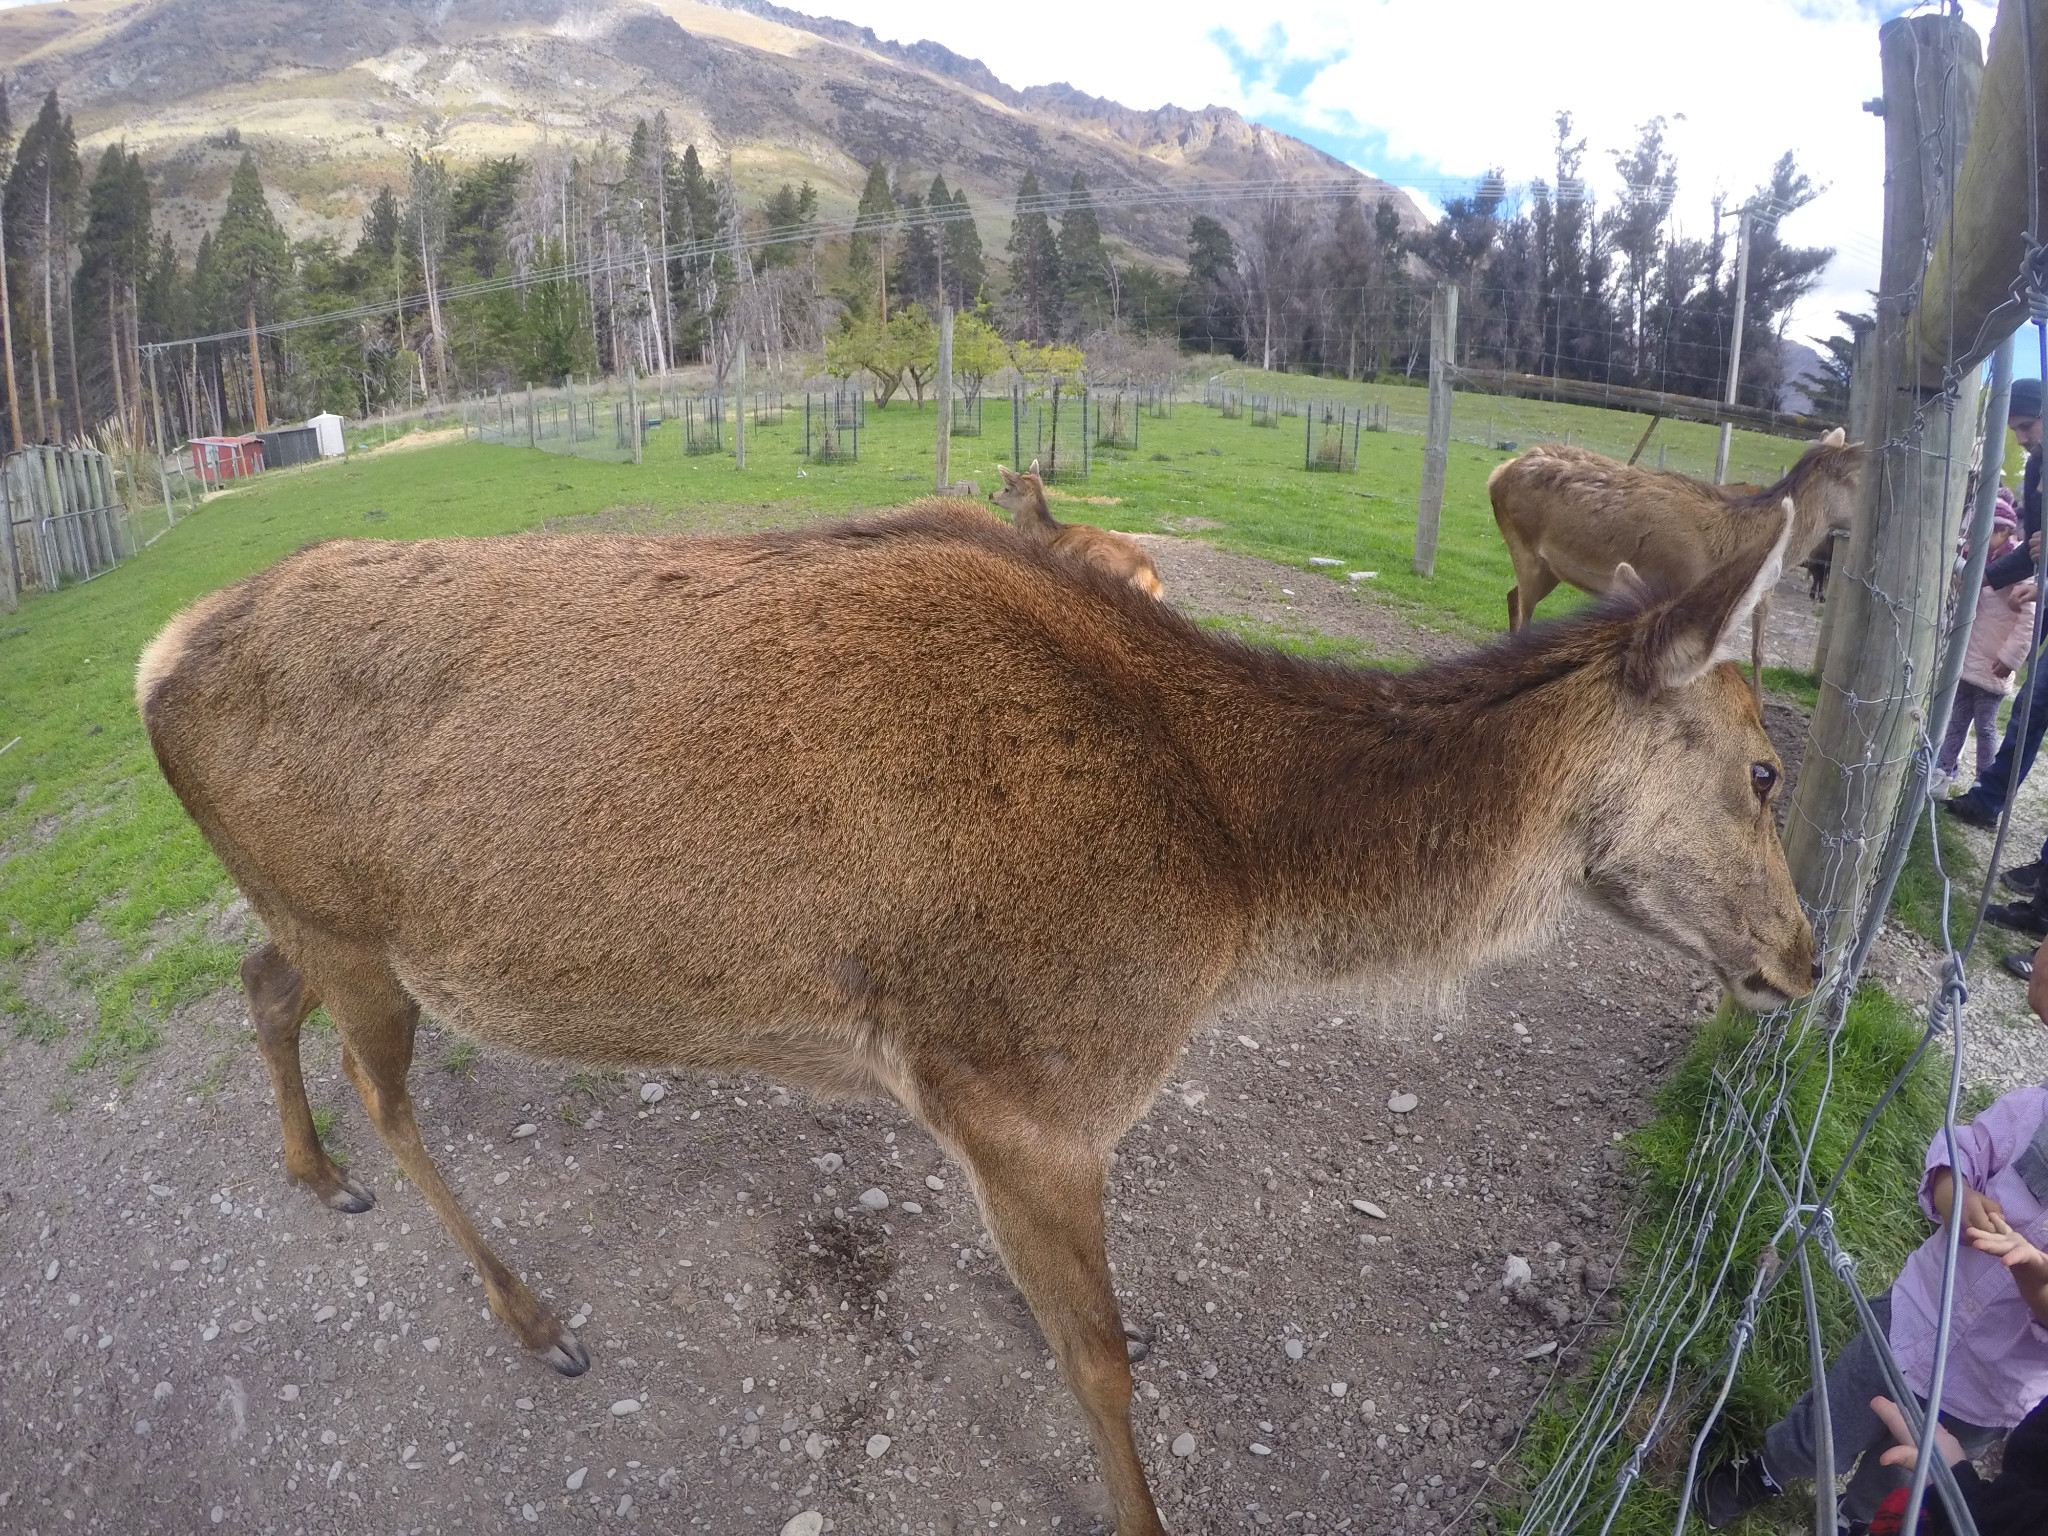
{"x": 2026, "y": 400}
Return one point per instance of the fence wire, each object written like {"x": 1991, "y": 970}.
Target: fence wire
{"x": 1647, "y": 1390}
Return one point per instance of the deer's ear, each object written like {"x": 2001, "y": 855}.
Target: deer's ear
{"x": 1676, "y": 642}
{"x": 1834, "y": 438}
{"x": 1628, "y": 583}
{"x": 1034, "y": 466}
{"x": 1009, "y": 478}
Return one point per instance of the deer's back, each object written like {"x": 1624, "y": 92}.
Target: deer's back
{"x": 1118, "y": 554}
{"x": 618, "y": 797}
{"x": 1584, "y": 514}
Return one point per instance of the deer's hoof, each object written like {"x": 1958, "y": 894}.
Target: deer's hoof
{"x": 1138, "y": 1342}
{"x": 351, "y": 1199}
{"x": 566, "y": 1355}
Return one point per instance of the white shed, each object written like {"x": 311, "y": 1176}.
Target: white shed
{"x": 328, "y": 426}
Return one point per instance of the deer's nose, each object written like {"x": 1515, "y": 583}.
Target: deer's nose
{"x": 1816, "y": 972}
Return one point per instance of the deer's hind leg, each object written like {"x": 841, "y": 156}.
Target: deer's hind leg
{"x": 1041, "y": 1194}
{"x": 279, "y": 1001}
{"x": 377, "y": 1019}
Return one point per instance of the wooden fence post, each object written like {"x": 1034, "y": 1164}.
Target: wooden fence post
{"x": 1436, "y": 449}
{"x": 739, "y": 406}
{"x": 1895, "y": 579}
{"x": 943, "y": 474}
{"x": 10, "y": 577}
{"x": 633, "y": 405}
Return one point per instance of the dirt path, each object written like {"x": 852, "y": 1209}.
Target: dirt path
{"x": 194, "y": 1344}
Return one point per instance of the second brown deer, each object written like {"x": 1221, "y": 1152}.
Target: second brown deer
{"x": 916, "y": 807}
{"x": 1023, "y": 497}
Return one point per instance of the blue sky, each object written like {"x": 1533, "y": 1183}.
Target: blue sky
{"x": 1430, "y": 96}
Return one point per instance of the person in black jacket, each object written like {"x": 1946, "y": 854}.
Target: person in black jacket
{"x": 1985, "y": 800}
{"x": 2014, "y": 1503}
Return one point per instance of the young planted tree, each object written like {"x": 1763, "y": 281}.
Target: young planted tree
{"x": 1034, "y": 265}
{"x": 978, "y": 351}
{"x": 252, "y": 265}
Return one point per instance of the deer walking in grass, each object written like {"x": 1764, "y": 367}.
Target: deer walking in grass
{"x": 1023, "y": 497}
{"x": 1572, "y": 516}
{"x": 912, "y": 806}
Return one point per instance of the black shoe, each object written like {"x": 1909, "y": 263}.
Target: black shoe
{"x": 2019, "y": 965}
{"x": 1733, "y": 1489}
{"x": 1972, "y": 811}
{"x": 2021, "y": 917}
{"x": 2023, "y": 878}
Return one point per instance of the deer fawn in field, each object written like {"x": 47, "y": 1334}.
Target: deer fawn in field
{"x": 1023, "y": 497}
{"x": 914, "y": 806}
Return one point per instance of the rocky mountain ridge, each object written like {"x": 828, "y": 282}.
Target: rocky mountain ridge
{"x": 333, "y": 94}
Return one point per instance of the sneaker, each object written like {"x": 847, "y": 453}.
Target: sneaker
{"x": 1733, "y": 1489}
{"x": 2021, "y": 917}
{"x": 1971, "y": 811}
{"x": 2023, "y": 878}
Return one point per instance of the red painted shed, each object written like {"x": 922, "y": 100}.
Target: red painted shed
{"x": 226, "y": 458}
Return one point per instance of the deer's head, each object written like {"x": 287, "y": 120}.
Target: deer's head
{"x": 1021, "y": 492}
{"x": 1680, "y": 836}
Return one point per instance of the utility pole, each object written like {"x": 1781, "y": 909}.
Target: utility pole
{"x": 944, "y": 472}
{"x": 1893, "y": 581}
{"x": 1735, "y": 341}
{"x": 1436, "y": 448}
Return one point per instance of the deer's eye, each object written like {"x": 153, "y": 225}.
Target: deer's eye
{"x": 1762, "y": 777}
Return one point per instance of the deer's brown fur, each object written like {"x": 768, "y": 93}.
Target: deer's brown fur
{"x": 1572, "y": 516}
{"x": 1023, "y": 497}
{"x": 914, "y": 806}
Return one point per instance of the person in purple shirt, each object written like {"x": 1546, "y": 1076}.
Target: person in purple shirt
{"x": 1998, "y": 1340}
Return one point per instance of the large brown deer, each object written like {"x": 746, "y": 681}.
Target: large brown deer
{"x": 913, "y": 806}
{"x": 1023, "y": 497}
{"x": 1572, "y": 516}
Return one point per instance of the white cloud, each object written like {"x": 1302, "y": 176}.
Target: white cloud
{"x": 1454, "y": 89}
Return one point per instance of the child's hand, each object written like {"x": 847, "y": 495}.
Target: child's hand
{"x": 1978, "y": 1207}
{"x": 2024, "y": 592}
{"x": 2027, "y": 1264}
{"x": 1907, "y": 1451}
{"x": 2010, "y": 1248}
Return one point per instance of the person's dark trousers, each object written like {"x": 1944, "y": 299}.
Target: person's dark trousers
{"x": 1989, "y": 793}
{"x": 1853, "y": 1380}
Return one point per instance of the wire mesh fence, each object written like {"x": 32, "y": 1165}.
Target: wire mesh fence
{"x": 1049, "y": 428}
{"x": 1330, "y": 437}
{"x": 1116, "y": 418}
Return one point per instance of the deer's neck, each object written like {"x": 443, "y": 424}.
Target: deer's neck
{"x": 1402, "y": 826}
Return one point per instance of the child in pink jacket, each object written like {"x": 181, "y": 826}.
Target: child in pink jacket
{"x": 1999, "y": 640}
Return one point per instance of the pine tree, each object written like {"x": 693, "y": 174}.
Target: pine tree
{"x": 114, "y": 256}
{"x": 917, "y": 273}
{"x": 1034, "y": 264}
{"x": 791, "y": 215}
{"x": 251, "y": 264}
{"x": 6, "y": 303}
{"x": 1084, "y": 265}
{"x": 1212, "y": 313}
{"x": 960, "y": 254}
{"x": 40, "y": 210}
{"x": 867, "y": 251}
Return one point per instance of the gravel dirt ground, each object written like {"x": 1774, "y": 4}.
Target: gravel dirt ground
{"x": 193, "y": 1343}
